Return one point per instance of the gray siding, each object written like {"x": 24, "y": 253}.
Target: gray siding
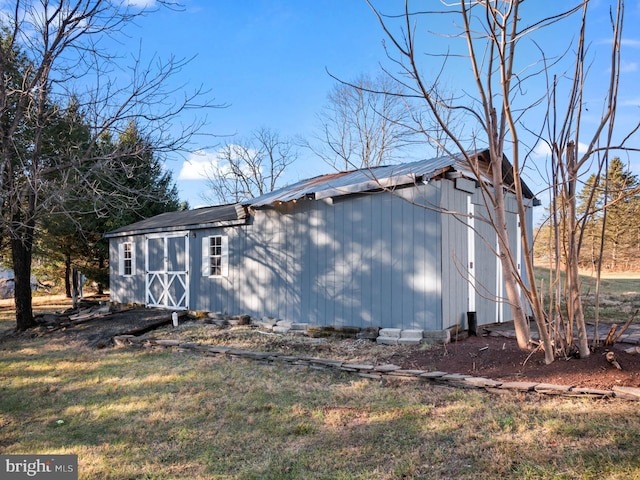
{"x": 369, "y": 260}
{"x": 127, "y": 289}
{"x": 376, "y": 259}
{"x": 486, "y": 267}
{"x": 455, "y": 258}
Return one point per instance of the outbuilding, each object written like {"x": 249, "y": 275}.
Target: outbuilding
{"x": 403, "y": 246}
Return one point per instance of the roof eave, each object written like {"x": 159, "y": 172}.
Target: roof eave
{"x": 177, "y": 228}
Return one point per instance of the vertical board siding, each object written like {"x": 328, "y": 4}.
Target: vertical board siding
{"x": 485, "y": 267}
{"x": 455, "y": 260}
{"x": 130, "y": 289}
{"x": 357, "y": 261}
{"x": 386, "y": 259}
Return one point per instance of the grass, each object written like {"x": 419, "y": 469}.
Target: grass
{"x": 619, "y": 294}
{"x": 132, "y": 414}
{"x": 142, "y": 414}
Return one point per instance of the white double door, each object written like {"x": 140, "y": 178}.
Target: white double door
{"x": 167, "y": 272}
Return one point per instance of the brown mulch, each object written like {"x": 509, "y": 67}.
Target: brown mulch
{"x": 500, "y": 358}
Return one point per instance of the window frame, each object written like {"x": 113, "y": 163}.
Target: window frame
{"x": 127, "y": 259}
{"x": 215, "y": 258}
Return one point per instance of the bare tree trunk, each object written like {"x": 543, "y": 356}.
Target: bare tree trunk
{"x": 75, "y": 289}
{"x": 523, "y": 333}
{"x": 576, "y": 313}
{"x": 21, "y": 252}
{"x": 101, "y": 264}
{"x": 67, "y": 275}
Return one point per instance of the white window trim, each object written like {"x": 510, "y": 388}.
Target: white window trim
{"x": 224, "y": 256}
{"x": 121, "y": 259}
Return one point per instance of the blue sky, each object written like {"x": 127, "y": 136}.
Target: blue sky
{"x": 268, "y": 61}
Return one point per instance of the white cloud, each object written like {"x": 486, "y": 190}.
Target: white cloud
{"x": 543, "y": 150}
{"x": 630, "y": 42}
{"x": 627, "y": 67}
{"x": 196, "y": 166}
{"x": 141, "y": 3}
{"x": 202, "y": 162}
{"x": 630, "y": 102}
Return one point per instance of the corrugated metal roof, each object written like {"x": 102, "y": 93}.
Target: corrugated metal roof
{"x": 368, "y": 179}
{"x": 324, "y": 186}
{"x": 187, "y": 219}
{"x": 356, "y": 181}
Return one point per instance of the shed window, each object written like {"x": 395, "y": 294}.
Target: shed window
{"x": 215, "y": 256}
{"x": 127, "y": 259}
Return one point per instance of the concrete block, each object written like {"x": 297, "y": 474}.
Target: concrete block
{"x": 524, "y": 386}
{"x": 409, "y": 341}
{"x": 239, "y": 320}
{"x": 390, "y": 332}
{"x": 482, "y": 382}
{"x": 387, "y": 367}
{"x": 299, "y": 326}
{"x": 630, "y": 393}
{"x": 267, "y": 327}
{"x": 280, "y": 329}
{"x": 359, "y": 366}
{"x": 433, "y": 375}
{"x": 411, "y": 334}
{"x": 387, "y": 340}
{"x": 369, "y": 333}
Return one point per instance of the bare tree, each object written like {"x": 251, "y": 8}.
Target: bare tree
{"x": 495, "y": 115}
{"x": 364, "y": 124}
{"x": 49, "y": 53}
{"x": 248, "y": 168}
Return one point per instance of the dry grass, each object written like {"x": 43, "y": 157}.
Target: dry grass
{"x": 132, "y": 414}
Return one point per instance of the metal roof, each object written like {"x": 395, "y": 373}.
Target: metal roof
{"x": 377, "y": 178}
{"x": 324, "y": 186}
{"x": 355, "y": 181}
{"x": 206, "y": 217}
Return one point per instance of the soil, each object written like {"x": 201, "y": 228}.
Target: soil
{"x": 489, "y": 356}
{"x": 500, "y": 358}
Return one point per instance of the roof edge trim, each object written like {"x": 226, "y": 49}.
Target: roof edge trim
{"x": 179, "y": 228}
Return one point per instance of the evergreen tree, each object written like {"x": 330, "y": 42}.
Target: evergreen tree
{"x": 616, "y": 203}
{"x": 72, "y": 234}
{"x": 621, "y": 230}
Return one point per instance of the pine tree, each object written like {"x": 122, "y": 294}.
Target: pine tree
{"x": 616, "y": 202}
{"x": 72, "y": 234}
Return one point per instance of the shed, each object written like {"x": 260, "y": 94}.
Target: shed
{"x": 400, "y": 246}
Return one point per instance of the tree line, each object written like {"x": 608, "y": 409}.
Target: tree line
{"x": 608, "y": 207}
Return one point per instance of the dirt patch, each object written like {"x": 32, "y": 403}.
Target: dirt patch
{"x": 487, "y": 356}
{"x": 96, "y": 332}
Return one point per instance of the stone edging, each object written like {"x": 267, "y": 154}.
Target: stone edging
{"x": 388, "y": 370}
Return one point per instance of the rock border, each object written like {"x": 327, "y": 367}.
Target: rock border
{"x": 388, "y": 371}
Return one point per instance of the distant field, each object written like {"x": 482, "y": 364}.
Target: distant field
{"x": 41, "y": 304}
